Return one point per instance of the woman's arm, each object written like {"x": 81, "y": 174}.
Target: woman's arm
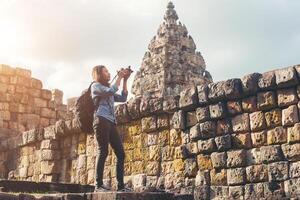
{"x": 124, "y": 94}
{"x": 101, "y": 90}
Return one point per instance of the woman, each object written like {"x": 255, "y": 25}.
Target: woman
{"x": 104, "y": 124}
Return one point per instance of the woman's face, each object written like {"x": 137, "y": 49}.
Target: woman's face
{"x": 105, "y": 74}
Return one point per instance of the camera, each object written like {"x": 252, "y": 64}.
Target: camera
{"x": 129, "y": 69}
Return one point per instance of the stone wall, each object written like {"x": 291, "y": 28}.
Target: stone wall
{"x": 226, "y": 140}
{"x": 24, "y": 104}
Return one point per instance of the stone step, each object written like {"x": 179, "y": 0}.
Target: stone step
{"x": 91, "y": 196}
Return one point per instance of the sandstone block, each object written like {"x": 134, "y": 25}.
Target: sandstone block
{"x": 240, "y": 123}
{"x": 259, "y": 138}
{"x": 267, "y": 80}
{"x": 178, "y": 120}
{"x": 287, "y": 97}
{"x": 236, "y": 158}
{"x": 234, "y": 107}
{"x": 250, "y": 83}
{"x": 206, "y": 146}
{"x": 191, "y": 118}
{"x": 188, "y": 98}
{"x": 223, "y": 142}
{"x": 190, "y": 167}
{"x": 266, "y": 100}
{"x": 249, "y": 104}
{"x": 286, "y": 77}
{"x": 277, "y": 135}
{"x": 149, "y": 123}
{"x": 236, "y": 176}
{"x": 202, "y": 114}
{"x": 290, "y": 116}
{"x": 241, "y": 141}
{"x": 293, "y": 133}
{"x": 291, "y": 151}
{"x": 223, "y": 127}
{"x": 219, "y": 159}
{"x": 273, "y": 118}
{"x": 204, "y": 162}
{"x": 218, "y": 177}
{"x": 257, "y": 173}
{"x": 257, "y": 121}
{"x": 207, "y": 129}
{"x": 278, "y": 171}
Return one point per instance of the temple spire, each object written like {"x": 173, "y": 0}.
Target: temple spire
{"x": 171, "y": 16}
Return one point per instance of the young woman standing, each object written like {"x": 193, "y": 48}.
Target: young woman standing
{"x": 104, "y": 123}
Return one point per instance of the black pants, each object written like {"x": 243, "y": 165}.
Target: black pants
{"x": 106, "y": 132}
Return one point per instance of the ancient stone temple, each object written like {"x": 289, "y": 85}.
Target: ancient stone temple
{"x": 182, "y": 133}
{"x": 172, "y": 61}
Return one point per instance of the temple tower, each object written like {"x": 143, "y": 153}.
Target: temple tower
{"x": 171, "y": 61}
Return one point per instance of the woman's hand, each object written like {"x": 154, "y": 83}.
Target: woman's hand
{"x": 121, "y": 73}
{"x": 127, "y": 74}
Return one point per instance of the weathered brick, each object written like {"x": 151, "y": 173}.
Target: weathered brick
{"x": 250, "y": 83}
{"x": 202, "y": 94}
{"x": 267, "y": 80}
{"x": 191, "y": 118}
{"x": 293, "y": 133}
{"x": 240, "y": 123}
{"x": 190, "y": 167}
{"x": 234, "y": 107}
{"x": 219, "y": 192}
{"x": 149, "y": 123}
{"x": 217, "y": 110}
{"x": 205, "y": 162}
{"x": 236, "y": 158}
{"x": 277, "y": 135}
{"x": 223, "y": 127}
{"x": 287, "y": 97}
{"x": 278, "y": 171}
{"x": 286, "y": 77}
{"x": 266, "y": 100}
{"x": 218, "y": 177}
{"x": 178, "y": 120}
{"x": 236, "y": 176}
{"x": 206, "y": 146}
{"x": 273, "y": 118}
{"x": 257, "y": 173}
{"x": 291, "y": 151}
{"x": 223, "y": 142}
{"x": 207, "y": 129}
{"x": 290, "y": 116}
{"x": 249, "y": 104}
{"x": 202, "y": 114}
{"x": 259, "y": 138}
{"x": 188, "y": 98}
{"x": 219, "y": 159}
{"x": 241, "y": 141}
{"x": 257, "y": 121}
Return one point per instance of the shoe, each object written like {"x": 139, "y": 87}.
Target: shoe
{"x": 101, "y": 188}
{"x": 124, "y": 189}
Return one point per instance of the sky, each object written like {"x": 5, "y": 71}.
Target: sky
{"x": 61, "y": 40}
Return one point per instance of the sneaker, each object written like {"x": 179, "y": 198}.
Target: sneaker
{"x": 124, "y": 189}
{"x": 101, "y": 188}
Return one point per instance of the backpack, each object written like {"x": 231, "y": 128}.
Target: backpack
{"x": 84, "y": 111}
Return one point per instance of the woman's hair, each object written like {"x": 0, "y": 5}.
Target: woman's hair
{"x": 97, "y": 75}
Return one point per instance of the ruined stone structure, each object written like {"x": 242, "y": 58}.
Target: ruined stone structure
{"x": 171, "y": 62}
{"x": 233, "y": 139}
{"x": 24, "y": 104}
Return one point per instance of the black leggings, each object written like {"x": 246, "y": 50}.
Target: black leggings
{"x": 106, "y": 132}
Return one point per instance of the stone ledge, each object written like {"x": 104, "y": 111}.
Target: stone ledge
{"x": 90, "y": 196}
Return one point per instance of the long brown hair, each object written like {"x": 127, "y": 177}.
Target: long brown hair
{"x": 97, "y": 75}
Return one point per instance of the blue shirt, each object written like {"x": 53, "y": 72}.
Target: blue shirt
{"x": 107, "y": 98}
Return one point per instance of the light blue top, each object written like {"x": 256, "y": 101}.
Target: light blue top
{"x": 107, "y": 98}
